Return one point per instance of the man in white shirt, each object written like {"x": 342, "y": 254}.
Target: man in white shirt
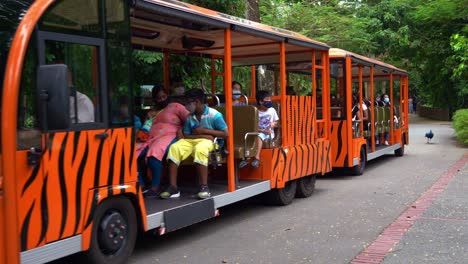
{"x": 84, "y": 105}
{"x": 85, "y": 109}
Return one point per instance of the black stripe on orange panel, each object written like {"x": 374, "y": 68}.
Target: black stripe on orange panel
{"x": 111, "y": 168}
{"x": 31, "y": 178}
{"x": 79, "y": 182}
{"x": 93, "y": 208}
{"x": 63, "y": 184}
{"x": 44, "y": 212}
{"x": 76, "y": 139}
{"x": 25, "y": 228}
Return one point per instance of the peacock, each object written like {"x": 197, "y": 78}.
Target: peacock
{"x": 429, "y": 136}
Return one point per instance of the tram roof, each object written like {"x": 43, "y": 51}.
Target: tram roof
{"x": 340, "y": 53}
{"x": 217, "y": 20}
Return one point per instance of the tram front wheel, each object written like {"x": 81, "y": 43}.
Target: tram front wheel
{"x": 114, "y": 232}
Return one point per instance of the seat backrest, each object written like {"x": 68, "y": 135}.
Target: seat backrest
{"x": 245, "y": 120}
{"x": 386, "y": 115}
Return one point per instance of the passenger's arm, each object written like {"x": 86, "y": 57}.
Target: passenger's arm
{"x": 212, "y": 132}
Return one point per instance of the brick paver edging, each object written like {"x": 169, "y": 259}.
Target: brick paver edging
{"x": 376, "y": 252}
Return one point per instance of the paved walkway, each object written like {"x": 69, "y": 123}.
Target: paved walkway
{"x": 434, "y": 229}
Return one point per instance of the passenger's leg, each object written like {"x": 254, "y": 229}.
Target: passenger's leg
{"x": 178, "y": 152}
{"x": 141, "y": 166}
{"x": 156, "y": 170}
{"x": 201, "y": 153}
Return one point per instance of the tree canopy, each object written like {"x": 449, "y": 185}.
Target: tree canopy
{"x": 428, "y": 38}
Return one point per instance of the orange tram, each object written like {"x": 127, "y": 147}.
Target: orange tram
{"x": 68, "y": 182}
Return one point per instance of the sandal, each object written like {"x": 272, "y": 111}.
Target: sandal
{"x": 255, "y": 163}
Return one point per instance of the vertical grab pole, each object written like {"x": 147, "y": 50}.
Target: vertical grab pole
{"x": 349, "y": 106}
{"x": 372, "y": 111}
{"x": 229, "y": 114}
{"x": 403, "y": 102}
{"x": 406, "y": 96}
{"x": 326, "y": 93}
{"x": 391, "y": 108}
{"x": 361, "y": 124}
{"x": 253, "y": 72}
{"x": 283, "y": 92}
{"x": 314, "y": 98}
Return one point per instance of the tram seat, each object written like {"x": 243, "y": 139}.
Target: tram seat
{"x": 386, "y": 119}
{"x": 381, "y": 111}
{"x": 377, "y": 120}
{"x": 245, "y": 120}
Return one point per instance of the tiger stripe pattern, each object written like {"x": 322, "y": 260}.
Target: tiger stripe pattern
{"x": 300, "y": 120}
{"x": 291, "y": 163}
{"x": 54, "y": 198}
{"x": 340, "y": 143}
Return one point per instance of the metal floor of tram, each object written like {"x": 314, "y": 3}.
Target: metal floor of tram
{"x": 188, "y": 195}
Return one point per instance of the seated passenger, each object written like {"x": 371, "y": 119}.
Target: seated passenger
{"x": 123, "y": 115}
{"x": 167, "y": 121}
{"x": 268, "y": 119}
{"x": 378, "y": 102}
{"x": 236, "y": 94}
{"x": 202, "y": 126}
{"x": 81, "y": 107}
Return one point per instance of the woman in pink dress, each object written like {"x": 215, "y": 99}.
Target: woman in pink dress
{"x": 168, "y": 120}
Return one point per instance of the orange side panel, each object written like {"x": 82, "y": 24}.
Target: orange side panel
{"x": 53, "y": 196}
{"x": 397, "y": 137}
{"x": 31, "y": 203}
{"x": 298, "y": 161}
{"x": 339, "y": 143}
{"x": 357, "y": 144}
{"x": 2, "y": 230}
{"x": 299, "y": 116}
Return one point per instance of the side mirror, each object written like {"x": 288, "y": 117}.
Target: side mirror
{"x": 54, "y": 96}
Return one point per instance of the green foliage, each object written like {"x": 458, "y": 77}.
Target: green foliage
{"x": 427, "y": 38}
{"x": 460, "y": 123}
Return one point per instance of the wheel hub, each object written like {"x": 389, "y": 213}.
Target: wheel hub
{"x": 113, "y": 232}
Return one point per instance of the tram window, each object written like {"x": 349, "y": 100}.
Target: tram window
{"x": 319, "y": 91}
{"x": 243, "y": 75}
{"x": 77, "y": 17}
{"x": 193, "y": 71}
{"x": 337, "y": 91}
{"x": 299, "y": 84}
{"x": 268, "y": 79}
{"x": 83, "y": 78}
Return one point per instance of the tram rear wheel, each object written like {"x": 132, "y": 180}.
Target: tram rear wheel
{"x": 283, "y": 196}
{"x": 359, "y": 169}
{"x": 305, "y": 186}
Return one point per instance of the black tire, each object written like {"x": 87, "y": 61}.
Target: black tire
{"x": 305, "y": 186}
{"x": 401, "y": 151}
{"x": 359, "y": 169}
{"x": 114, "y": 217}
{"x": 283, "y": 196}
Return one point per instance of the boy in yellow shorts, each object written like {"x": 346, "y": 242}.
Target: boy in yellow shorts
{"x": 201, "y": 127}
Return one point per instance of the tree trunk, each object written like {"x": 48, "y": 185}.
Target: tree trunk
{"x": 252, "y": 12}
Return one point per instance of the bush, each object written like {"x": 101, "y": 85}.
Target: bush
{"x": 460, "y": 123}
